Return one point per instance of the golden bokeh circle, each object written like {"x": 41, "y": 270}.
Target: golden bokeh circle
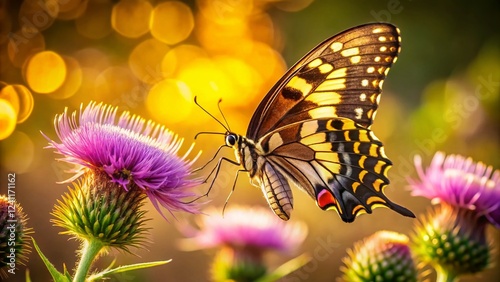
{"x": 45, "y": 72}
{"x": 180, "y": 56}
{"x": 145, "y": 60}
{"x": 171, "y": 22}
{"x": 21, "y": 100}
{"x": 170, "y": 101}
{"x": 8, "y": 119}
{"x": 131, "y": 18}
{"x": 72, "y": 82}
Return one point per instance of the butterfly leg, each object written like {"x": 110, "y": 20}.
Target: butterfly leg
{"x": 216, "y": 169}
{"x": 211, "y": 160}
{"x": 232, "y": 189}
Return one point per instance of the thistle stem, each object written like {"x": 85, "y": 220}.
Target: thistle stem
{"x": 89, "y": 252}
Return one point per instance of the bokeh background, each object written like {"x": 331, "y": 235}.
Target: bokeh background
{"x": 152, "y": 58}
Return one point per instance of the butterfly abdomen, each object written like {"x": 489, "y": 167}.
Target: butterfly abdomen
{"x": 277, "y": 191}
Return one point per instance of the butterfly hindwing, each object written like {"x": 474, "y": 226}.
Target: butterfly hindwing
{"x": 339, "y": 163}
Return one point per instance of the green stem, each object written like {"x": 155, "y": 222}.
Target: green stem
{"x": 445, "y": 276}
{"x": 89, "y": 251}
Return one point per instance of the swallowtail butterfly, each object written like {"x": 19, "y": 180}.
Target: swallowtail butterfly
{"x": 313, "y": 127}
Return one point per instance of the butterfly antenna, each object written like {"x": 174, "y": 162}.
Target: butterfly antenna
{"x": 222, "y": 114}
{"x": 223, "y": 125}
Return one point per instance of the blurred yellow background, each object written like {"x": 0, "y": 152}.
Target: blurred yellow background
{"x": 153, "y": 57}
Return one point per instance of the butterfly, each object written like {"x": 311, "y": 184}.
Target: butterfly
{"x": 313, "y": 127}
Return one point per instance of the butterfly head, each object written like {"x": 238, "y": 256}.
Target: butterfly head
{"x": 232, "y": 139}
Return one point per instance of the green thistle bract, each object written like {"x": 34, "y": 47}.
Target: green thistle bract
{"x": 384, "y": 256}
{"x": 99, "y": 209}
{"x": 453, "y": 240}
{"x": 237, "y": 265}
{"x": 14, "y": 233}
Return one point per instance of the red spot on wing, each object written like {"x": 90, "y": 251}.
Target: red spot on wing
{"x": 325, "y": 199}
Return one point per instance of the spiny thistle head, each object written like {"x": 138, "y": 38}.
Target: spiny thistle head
{"x": 460, "y": 182}
{"x": 130, "y": 151}
{"x": 384, "y": 256}
{"x": 14, "y": 236}
{"x": 452, "y": 240}
{"x": 99, "y": 209}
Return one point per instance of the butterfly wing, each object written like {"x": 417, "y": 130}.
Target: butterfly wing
{"x": 313, "y": 126}
{"x": 344, "y": 74}
{"x": 339, "y": 163}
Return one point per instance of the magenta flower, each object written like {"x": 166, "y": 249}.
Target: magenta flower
{"x": 243, "y": 235}
{"x": 132, "y": 152}
{"x": 460, "y": 182}
{"x": 248, "y": 227}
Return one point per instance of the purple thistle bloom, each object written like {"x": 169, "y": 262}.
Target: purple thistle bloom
{"x": 130, "y": 150}
{"x": 248, "y": 228}
{"x": 460, "y": 182}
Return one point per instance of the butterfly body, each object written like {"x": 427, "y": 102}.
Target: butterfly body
{"x": 313, "y": 127}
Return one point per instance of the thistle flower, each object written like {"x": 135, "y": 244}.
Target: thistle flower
{"x": 14, "y": 233}
{"x": 244, "y": 235}
{"x": 98, "y": 209}
{"x": 453, "y": 241}
{"x": 132, "y": 152}
{"x": 452, "y": 237}
{"x": 384, "y": 256}
{"x": 460, "y": 182}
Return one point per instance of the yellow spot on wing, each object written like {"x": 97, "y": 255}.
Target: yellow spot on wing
{"x": 315, "y": 63}
{"x": 372, "y": 199}
{"x": 314, "y": 139}
{"x": 331, "y": 167}
{"x": 325, "y": 68}
{"x": 338, "y": 73}
{"x": 336, "y": 46}
{"x": 346, "y": 136}
{"x": 323, "y": 112}
{"x": 383, "y": 48}
{"x": 362, "y": 174}
{"x": 378, "y": 167}
{"x": 333, "y": 84}
{"x": 370, "y": 70}
{"x": 355, "y": 59}
{"x": 327, "y": 156}
{"x": 363, "y": 136}
{"x": 373, "y": 150}
{"x": 308, "y": 128}
{"x": 364, "y": 82}
{"x": 378, "y": 30}
{"x": 355, "y": 186}
{"x": 359, "y": 113}
{"x": 275, "y": 141}
{"x": 362, "y": 97}
{"x": 324, "y": 98}
{"x": 355, "y": 149}
{"x": 382, "y": 38}
{"x": 377, "y": 184}
{"x": 350, "y": 52}
{"x": 362, "y": 161}
{"x": 300, "y": 84}
{"x": 324, "y": 148}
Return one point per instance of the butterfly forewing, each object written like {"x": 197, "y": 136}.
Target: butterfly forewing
{"x": 342, "y": 77}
